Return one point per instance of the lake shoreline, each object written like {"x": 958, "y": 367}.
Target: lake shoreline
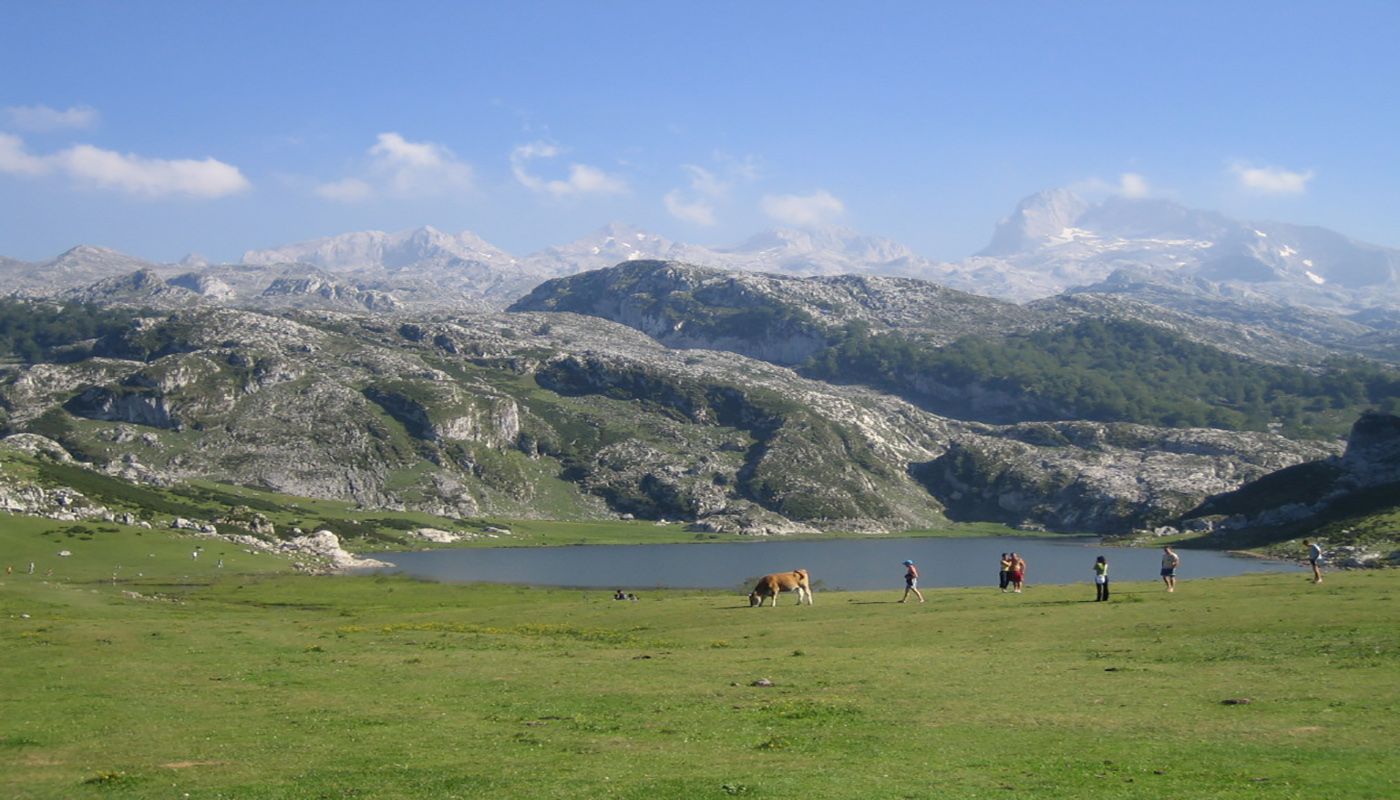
{"x": 835, "y": 564}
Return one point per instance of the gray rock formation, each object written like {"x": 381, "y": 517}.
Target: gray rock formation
{"x": 569, "y": 417}
{"x": 1101, "y": 478}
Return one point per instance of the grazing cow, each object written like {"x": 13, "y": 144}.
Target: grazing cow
{"x": 771, "y": 585}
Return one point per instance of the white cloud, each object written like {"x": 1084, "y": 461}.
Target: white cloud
{"x": 397, "y": 151}
{"x": 1270, "y": 180}
{"x": 583, "y": 179}
{"x": 814, "y": 209}
{"x": 1130, "y": 184}
{"x": 347, "y": 191}
{"x": 404, "y": 169}
{"x": 696, "y": 203}
{"x": 151, "y": 176}
{"x": 16, "y": 160}
{"x": 700, "y": 212}
{"x": 42, "y": 118}
{"x": 706, "y": 182}
{"x": 128, "y": 173}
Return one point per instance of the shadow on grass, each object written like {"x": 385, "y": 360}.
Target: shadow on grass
{"x": 877, "y": 602}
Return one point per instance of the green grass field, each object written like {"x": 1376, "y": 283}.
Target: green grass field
{"x": 177, "y": 678}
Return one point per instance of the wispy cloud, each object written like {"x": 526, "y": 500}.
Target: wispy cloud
{"x": 583, "y": 179}
{"x": 16, "y": 159}
{"x": 697, "y": 211}
{"x": 1270, "y": 180}
{"x": 813, "y": 209}
{"x": 124, "y": 172}
{"x": 1131, "y": 184}
{"x": 347, "y": 190}
{"x": 42, "y": 118}
{"x": 404, "y": 169}
{"x": 697, "y": 201}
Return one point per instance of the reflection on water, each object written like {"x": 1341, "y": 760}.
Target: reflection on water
{"x": 835, "y": 565}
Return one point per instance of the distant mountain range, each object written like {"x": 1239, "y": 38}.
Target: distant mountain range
{"x": 786, "y": 383}
{"x": 1052, "y": 244}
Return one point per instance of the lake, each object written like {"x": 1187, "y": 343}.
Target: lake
{"x": 834, "y": 565}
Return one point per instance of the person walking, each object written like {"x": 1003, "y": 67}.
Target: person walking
{"x": 1315, "y": 559}
{"x": 911, "y": 581}
{"x": 1170, "y": 561}
{"x": 1018, "y": 573}
{"x": 1005, "y": 576}
{"x": 1101, "y": 579}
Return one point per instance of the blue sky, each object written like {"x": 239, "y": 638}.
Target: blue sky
{"x": 163, "y": 128}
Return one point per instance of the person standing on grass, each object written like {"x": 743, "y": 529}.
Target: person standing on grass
{"x": 1315, "y": 559}
{"x": 1101, "y": 579}
{"x": 1005, "y": 576}
{"x": 1170, "y": 561}
{"x": 911, "y": 581}
{"x": 1018, "y": 573}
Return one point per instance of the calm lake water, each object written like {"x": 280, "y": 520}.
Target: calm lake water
{"x": 834, "y": 565}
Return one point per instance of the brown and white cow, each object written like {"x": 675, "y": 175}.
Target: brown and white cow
{"x": 771, "y": 585}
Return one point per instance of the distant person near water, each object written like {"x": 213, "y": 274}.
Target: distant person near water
{"x": 1017, "y": 574}
{"x": 1005, "y": 576}
{"x": 911, "y": 581}
{"x": 1170, "y": 561}
{"x": 1101, "y": 579}
{"x": 1315, "y": 559}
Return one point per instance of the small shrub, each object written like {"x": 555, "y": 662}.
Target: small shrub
{"x": 107, "y": 778}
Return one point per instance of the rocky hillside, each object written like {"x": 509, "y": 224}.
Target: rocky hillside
{"x": 548, "y": 414}
{"x": 1348, "y": 500}
{"x": 1083, "y": 356}
{"x": 782, "y": 319}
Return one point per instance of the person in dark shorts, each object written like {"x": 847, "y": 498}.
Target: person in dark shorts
{"x": 1315, "y": 559}
{"x": 1101, "y": 579}
{"x": 1170, "y": 561}
{"x": 1005, "y": 575}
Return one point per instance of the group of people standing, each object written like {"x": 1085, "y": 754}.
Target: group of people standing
{"x": 1170, "y": 561}
{"x": 1013, "y": 573}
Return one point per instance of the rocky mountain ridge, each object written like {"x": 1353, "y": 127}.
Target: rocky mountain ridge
{"x": 1055, "y": 242}
{"x": 1302, "y": 282}
{"x": 571, "y": 417}
{"x": 785, "y": 319}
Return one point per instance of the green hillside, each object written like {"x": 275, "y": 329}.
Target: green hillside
{"x": 1112, "y": 371}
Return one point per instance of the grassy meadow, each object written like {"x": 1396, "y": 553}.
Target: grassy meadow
{"x": 138, "y": 671}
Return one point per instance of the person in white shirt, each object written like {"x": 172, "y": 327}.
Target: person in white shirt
{"x": 1170, "y": 561}
{"x": 1315, "y": 559}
